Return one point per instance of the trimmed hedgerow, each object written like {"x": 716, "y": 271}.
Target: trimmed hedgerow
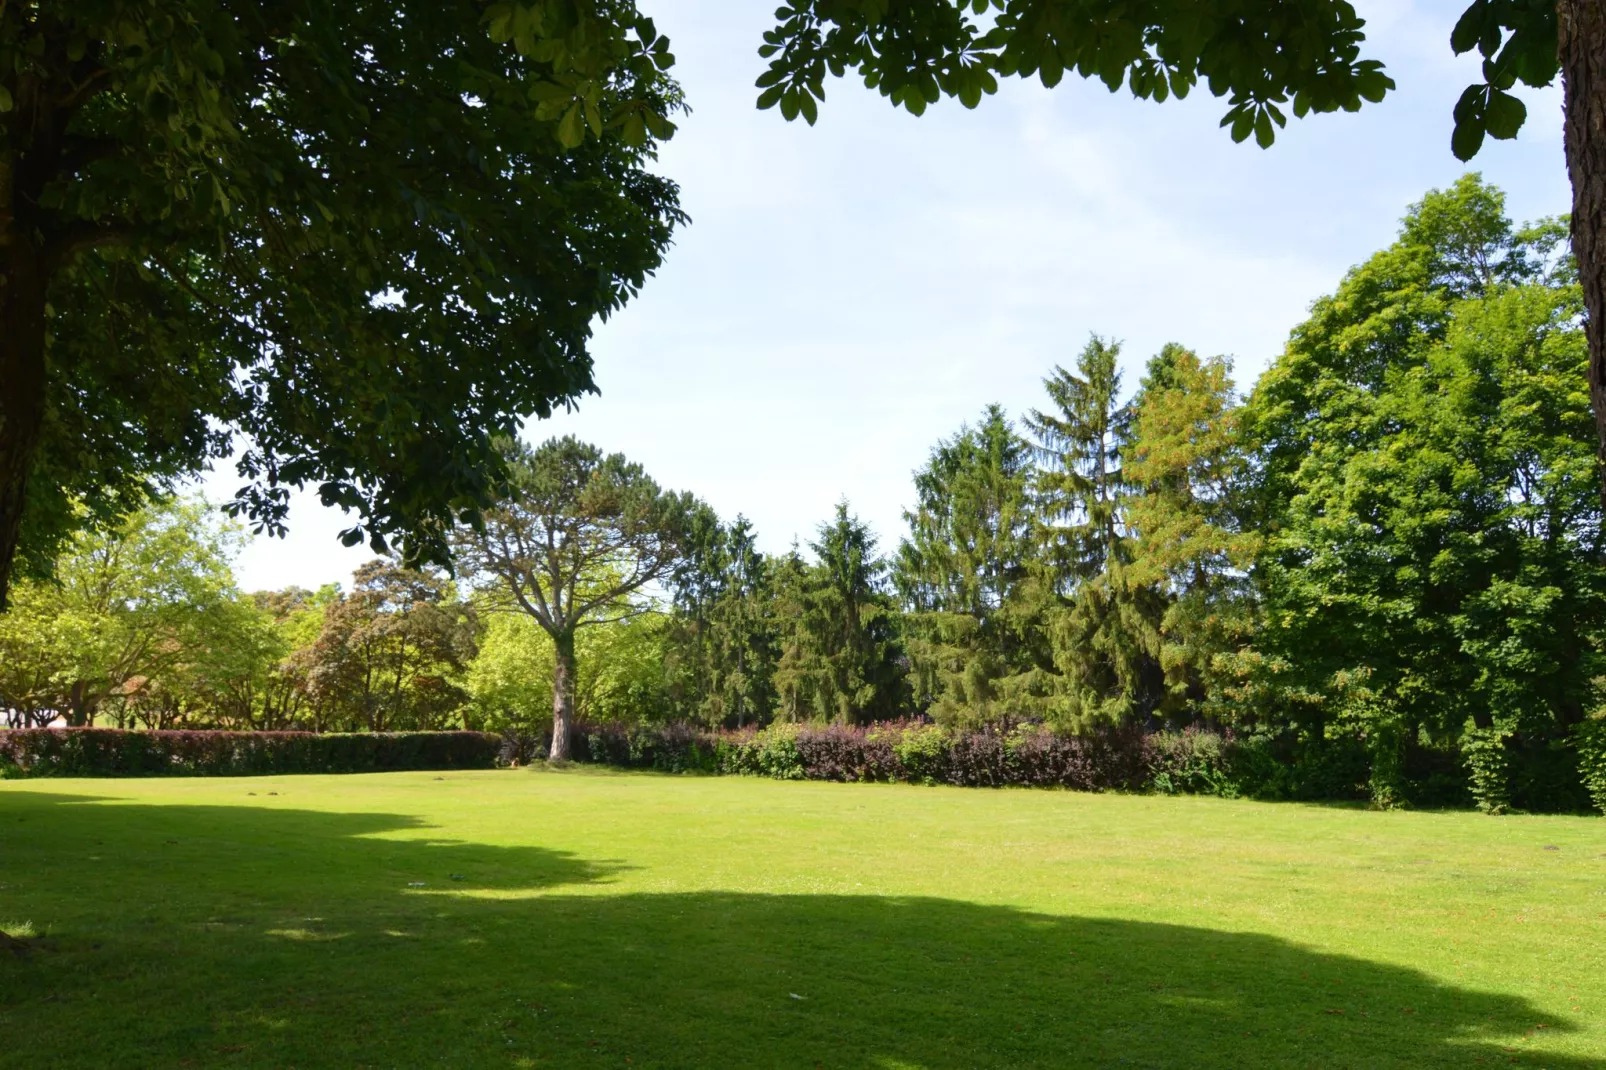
{"x": 114, "y": 752}
{"x": 915, "y": 752}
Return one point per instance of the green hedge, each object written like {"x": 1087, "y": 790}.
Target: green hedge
{"x": 113, "y": 752}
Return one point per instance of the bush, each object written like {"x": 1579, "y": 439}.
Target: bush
{"x": 1590, "y": 739}
{"x": 114, "y": 752}
{"x": 1193, "y": 762}
{"x": 1488, "y": 761}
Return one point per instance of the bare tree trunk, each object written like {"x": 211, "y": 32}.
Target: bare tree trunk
{"x": 22, "y": 392}
{"x": 1581, "y": 42}
{"x": 562, "y": 694}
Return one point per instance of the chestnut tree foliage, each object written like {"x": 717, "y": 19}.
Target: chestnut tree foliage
{"x": 352, "y": 241}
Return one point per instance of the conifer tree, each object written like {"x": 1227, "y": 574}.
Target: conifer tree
{"x": 963, "y": 573}
{"x": 839, "y": 658}
{"x": 1102, "y": 627}
{"x": 1185, "y": 465}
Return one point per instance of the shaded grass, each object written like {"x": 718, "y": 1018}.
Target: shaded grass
{"x": 590, "y": 919}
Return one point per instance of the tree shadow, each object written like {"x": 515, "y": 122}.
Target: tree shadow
{"x": 269, "y": 937}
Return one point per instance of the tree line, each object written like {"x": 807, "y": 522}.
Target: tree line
{"x": 1394, "y": 539}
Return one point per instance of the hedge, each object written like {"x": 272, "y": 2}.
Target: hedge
{"x": 114, "y": 752}
{"x": 1541, "y": 775}
{"x": 1120, "y": 759}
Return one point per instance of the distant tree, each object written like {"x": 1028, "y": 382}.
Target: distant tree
{"x": 620, "y": 674}
{"x": 722, "y": 637}
{"x": 965, "y": 573}
{"x": 744, "y": 630}
{"x": 366, "y": 238}
{"x": 1102, "y": 626}
{"x": 218, "y": 678}
{"x": 1186, "y": 467}
{"x": 1263, "y": 55}
{"x": 386, "y": 653}
{"x": 576, "y": 543}
{"x": 839, "y": 655}
{"x": 126, "y": 606}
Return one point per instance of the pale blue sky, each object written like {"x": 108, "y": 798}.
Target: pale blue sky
{"x": 846, "y": 295}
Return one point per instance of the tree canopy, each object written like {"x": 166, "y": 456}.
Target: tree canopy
{"x": 354, "y": 242}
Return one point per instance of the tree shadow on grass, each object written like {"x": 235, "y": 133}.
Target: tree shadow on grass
{"x": 269, "y": 937}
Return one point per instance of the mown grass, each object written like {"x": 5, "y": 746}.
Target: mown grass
{"x": 584, "y": 918}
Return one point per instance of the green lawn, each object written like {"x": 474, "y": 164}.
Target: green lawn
{"x": 582, "y": 918}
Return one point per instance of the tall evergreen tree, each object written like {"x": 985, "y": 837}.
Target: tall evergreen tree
{"x": 839, "y": 659}
{"x": 1101, "y": 627}
{"x": 963, "y": 574}
{"x": 1186, "y": 467}
{"x": 744, "y": 630}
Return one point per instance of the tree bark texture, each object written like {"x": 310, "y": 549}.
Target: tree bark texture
{"x": 562, "y": 694}
{"x": 1581, "y": 44}
{"x": 22, "y": 393}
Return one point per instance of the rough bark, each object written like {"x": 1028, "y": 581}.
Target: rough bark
{"x": 1581, "y": 43}
{"x": 22, "y": 393}
{"x": 562, "y": 694}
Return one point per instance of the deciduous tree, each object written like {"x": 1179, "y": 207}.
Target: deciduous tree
{"x": 355, "y": 241}
{"x": 1266, "y": 57}
{"x": 575, "y": 543}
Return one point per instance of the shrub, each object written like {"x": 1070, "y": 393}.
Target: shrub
{"x": 1488, "y": 761}
{"x": 1590, "y": 739}
{"x": 1192, "y": 762}
{"x": 114, "y": 752}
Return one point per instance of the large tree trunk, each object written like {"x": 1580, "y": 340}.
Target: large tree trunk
{"x": 22, "y": 391}
{"x": 1582, "y": 50}
{"x": 562, "y": 694}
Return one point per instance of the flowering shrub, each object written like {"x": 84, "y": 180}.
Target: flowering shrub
{"x": 114, "y": 752}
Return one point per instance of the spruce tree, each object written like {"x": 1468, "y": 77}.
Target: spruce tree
{"x": 963, "y": 573}
{"x": 1102, "y": 628}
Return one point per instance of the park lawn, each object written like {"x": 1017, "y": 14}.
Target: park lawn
{"x": 594, "y": 919}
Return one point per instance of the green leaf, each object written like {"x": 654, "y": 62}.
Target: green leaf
{"x": 1467, "y": 139}
{"x": 1464, "y": 38}
{"x": 770, "y": 97}
{"x": 1504, "y": 115}
{"x": 571, "y": 128}
{"x": 809, "y": 108}
{"x": 6, "y": 103}
{"x": 1265, "y": 134}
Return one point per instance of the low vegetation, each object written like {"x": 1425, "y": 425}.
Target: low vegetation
{"x": 586, "y": 918}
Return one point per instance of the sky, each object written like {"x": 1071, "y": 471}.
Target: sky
{"x": 846, "y": 295}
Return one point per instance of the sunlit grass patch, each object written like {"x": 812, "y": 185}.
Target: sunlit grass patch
{"x": 582, "y": 918}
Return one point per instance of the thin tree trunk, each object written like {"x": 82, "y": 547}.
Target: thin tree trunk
{"x": 22, "y": 392}
{"x": 562, "y": 694}
{"x": 1581, "y": 42}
